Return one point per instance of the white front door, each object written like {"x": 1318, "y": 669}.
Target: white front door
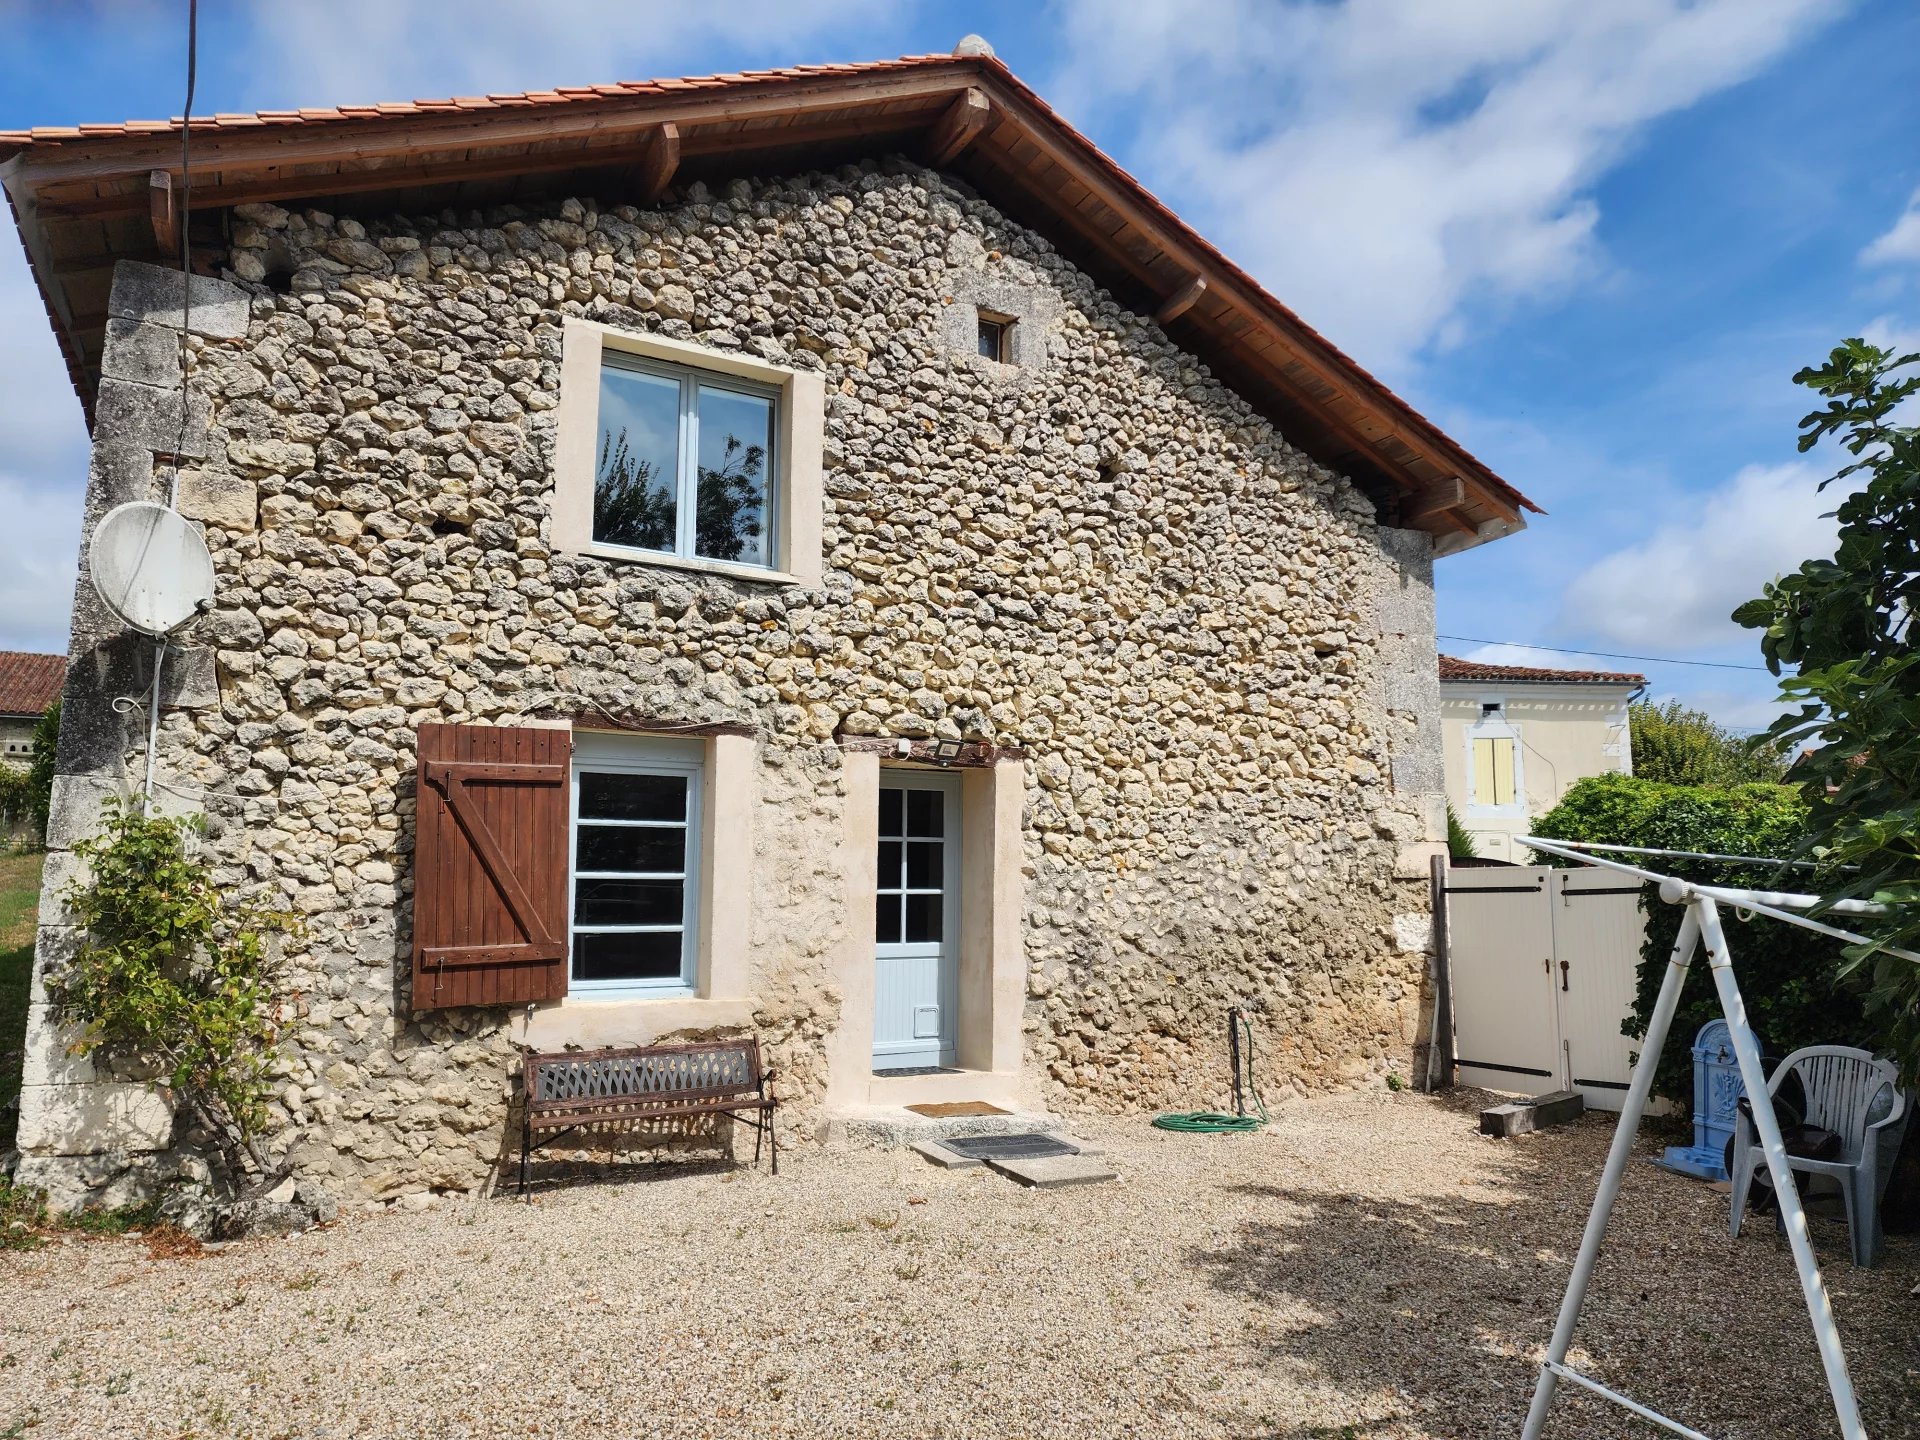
{"x": 916, "y": 920}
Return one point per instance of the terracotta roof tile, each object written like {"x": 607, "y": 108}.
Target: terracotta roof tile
{"x": 29, "y": 684}
{"x": 1454, "y": 669}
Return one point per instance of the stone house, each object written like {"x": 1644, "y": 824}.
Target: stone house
{"x": 816, "y": 552}
{"x": 1516, "y": 737}
{"x": 29, "y": 686}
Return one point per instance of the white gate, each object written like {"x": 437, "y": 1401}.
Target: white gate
{"x": 1543, "y": 965}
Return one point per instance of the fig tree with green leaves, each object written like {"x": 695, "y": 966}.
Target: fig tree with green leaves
{"x": 1845, "y": 626}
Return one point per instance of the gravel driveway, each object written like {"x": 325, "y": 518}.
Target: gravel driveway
{"x": 1367, "y": 1267}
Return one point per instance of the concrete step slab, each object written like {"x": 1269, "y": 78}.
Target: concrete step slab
{"x": 1052, "y": 1172}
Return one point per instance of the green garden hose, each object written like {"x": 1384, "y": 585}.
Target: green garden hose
{"x": 1217, "y": 1122}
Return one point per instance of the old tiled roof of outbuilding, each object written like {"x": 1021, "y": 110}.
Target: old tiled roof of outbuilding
{"x": 88, "y": 196}
{"x": 29, "y": 684}
{"x": 1456, "y": 669}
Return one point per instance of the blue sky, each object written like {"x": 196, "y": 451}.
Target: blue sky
{"x": 1592, "y": 241}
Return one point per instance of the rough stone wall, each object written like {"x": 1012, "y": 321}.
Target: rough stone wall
{"x": 1099, "y": 554}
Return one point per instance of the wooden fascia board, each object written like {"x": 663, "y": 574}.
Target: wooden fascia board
{"x": 627, "y": 154}
{"x": 335, "y": 141}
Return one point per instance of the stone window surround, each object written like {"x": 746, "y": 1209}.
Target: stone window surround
{"x": 723, "y": 994}
{"x": 1496, "y": 727}
{"x": 992, "y": 979}
{"x": 799, "y": 445}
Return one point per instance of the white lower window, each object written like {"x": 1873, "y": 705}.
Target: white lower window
{"x": 636, "y": 864}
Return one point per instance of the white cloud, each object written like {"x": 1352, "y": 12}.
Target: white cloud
{"x": 1901, "y": 244}
{"x": 1389, "y": 169}
{"x": 43, "y": 468}
{"x": 361, "y": 51}
{"x": 36, "y": 579}
{"x": 1674, "y": 591}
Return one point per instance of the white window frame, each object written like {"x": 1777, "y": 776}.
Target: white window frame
{"x": 642, "y": 755}
{"x": 1496, "y": 727}
{"x": 796, "y": 488}
{"x": 687, "y": 472}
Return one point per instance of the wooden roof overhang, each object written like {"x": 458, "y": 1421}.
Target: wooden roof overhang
{"x": 87, "y": 197}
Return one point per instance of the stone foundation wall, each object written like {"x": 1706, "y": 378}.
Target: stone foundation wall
{"x": 1212, "y": 655}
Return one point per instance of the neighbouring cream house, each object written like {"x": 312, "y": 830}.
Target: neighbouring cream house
{"x": 819, "y": 553}
{"x": 29, "y": 685}
{"x": 1515, "y": 737}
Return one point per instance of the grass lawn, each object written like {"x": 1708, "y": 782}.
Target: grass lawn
{"x": 19, "y": 909}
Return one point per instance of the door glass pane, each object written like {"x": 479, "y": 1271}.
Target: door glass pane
{"x": 888, "y": 875}
{"x": 886, "y": 919}
{"x": 925, "y": 812}
{"x": 923, "y": 865}
{"x": 636, "y": 487}
{"x": 923, "y": 919}
{"x": 628, "y": 902}
{"x": 630, "y": 955}
{"x": 610, "y": 795}
{"x": 631, "y": 847}
{"x": 890, "y": 810}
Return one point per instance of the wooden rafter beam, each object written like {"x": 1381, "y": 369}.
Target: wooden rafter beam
{"x": 958, "y": 128}
{"x": 1435, "y": 500}
{"x": 166, "y": 218}
{"x": 1181, "y": 301}
{"x": 661, "y": 160}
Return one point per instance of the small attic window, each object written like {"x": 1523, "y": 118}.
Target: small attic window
{"x": 996, "y": 337}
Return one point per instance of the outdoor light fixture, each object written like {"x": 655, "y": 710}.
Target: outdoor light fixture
{"x": 946, "y": 751}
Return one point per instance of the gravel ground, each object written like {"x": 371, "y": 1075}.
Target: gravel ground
{"x": 1366, "y": 1268}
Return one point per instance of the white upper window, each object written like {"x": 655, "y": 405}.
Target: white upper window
{"x": 686, "y": 463}
{"x": 677, "y": 455}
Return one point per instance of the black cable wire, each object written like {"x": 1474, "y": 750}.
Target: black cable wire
{"x": 1605, "y": 654}
{"x": 183, "y": 237}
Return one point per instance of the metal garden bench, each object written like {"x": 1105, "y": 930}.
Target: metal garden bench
{"x": 567, "y": 1090}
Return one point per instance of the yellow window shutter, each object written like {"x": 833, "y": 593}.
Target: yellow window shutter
{"x": 1503, "y": 772}
{"x": 1483, "y": 773}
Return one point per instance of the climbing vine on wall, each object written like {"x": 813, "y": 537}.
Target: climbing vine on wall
{"x": 176, "y": 973}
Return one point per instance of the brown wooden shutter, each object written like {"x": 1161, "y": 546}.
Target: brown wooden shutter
{"x": 490, "y": 866}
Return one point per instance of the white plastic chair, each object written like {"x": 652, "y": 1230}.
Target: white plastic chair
{"x": 1853, "y": 1094}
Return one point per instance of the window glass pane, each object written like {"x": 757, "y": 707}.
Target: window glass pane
{"x": 630, "y": 847}
{"x": 886, "y": 919}
{"x": 736, "y": 462}
{"x": 611, "y": 795}
{"x": 923, "y": 918}
{"x": 636, "y": 485}
{"x": 647, "y": 955}
{"x": 888, "y": 872}
{"x": 628, "y": 902}
{"x": 925, "y": 813}
{"x": 993, "y": 339}
{"x": 890, "y": 807}
{"x": 923, "y": 865}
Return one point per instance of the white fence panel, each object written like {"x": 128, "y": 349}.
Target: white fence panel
{"x": 1500, "y": 940}
{"x": 1597, "y": 933}
{"x": 1543, "y": 962}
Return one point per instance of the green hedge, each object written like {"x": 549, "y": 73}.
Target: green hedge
{"x": 1788, "y": 975}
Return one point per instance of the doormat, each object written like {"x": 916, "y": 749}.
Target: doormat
{"x": 956, "y": 1109}
{"x": 919, "y": 1070}
{"x": 1031, "y": 1146}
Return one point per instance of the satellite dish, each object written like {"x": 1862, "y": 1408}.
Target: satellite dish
{"x": 150, "y": 567}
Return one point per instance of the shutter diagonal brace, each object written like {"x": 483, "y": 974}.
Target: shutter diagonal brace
{"x": 450, "y": 778}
